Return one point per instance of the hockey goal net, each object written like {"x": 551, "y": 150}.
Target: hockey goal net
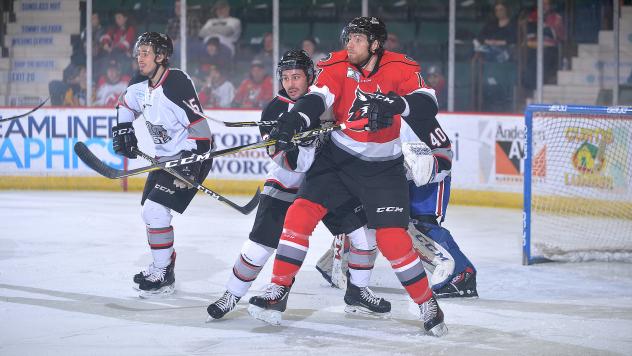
{"x": 577, "y": 184}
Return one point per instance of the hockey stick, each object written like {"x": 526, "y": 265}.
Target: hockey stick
{"x": 25, "y": 114}
{"x": 246, "y": 209}
{"x": 227, "y": 123}
{"x": 84, "y": 153}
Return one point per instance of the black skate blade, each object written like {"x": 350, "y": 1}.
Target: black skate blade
{"x": 157, "y": 293}
{"x": 438, "y": 330}
{"x": 358, "y": 310}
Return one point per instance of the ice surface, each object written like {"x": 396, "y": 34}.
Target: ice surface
{"x": 67, "y": 260}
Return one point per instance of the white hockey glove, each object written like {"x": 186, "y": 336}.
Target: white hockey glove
{"x": 419, "y": 161}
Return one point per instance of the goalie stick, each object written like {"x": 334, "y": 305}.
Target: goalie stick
{"x": 25, "y": 114}
{"x": 227, "y": 123}
{"x": 246, "y": 209}
{"x": 84, "y": 153}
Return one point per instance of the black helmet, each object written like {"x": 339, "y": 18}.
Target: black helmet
{"x": 372, "y": 27}
{"x": 296, "y": 59}
{"x": 160, "y": 42}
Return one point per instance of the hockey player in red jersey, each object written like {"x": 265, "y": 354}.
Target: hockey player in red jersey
{"x": 158, "y": 95}
{"x": 361, "y": 81}
{"x": 296, "y": 73}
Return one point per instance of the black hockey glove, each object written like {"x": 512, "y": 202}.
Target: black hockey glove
{"x": 382, "y": 108}
{"x": 288, "y": 125}
{"x": 190, "y": 171}
{"x": 124, "y": 140}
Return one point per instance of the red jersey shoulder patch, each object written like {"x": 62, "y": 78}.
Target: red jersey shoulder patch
{"x": 333, "y": 58}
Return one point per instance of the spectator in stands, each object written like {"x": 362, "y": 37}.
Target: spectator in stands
{"x": 75, "y": 94}
{"x": 223, "y": 26}
{"x": 217, "y": 91}
{"x": 496, "y": 40}
{"x": 392, "y": 43}
{"x": 193, "y": 23}
{"x": 195, "y": 46}
{"x": 265, "y": 55}
{"x": 436, "y": 80}
{"x": 310, "y": 45}
{"x": 215, "y": 54}
{"x": 255, "y": 91}
{"x": 554, "y": 35}
{"x": 111, "y": 85}
{"x": 119, "y": 39}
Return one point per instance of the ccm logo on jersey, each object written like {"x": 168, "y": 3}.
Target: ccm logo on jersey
{"x": 390, "y": 209}
{"x": 165, "y": 189}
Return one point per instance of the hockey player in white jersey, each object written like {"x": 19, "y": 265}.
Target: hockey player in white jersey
{"x": 158, "y": 95}
{"x": 296, "y": 73}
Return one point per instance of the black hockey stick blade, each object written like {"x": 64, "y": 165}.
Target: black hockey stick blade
{"x": 248, "y": 208}
{"x": 192, "y": 183}
{"x": 25, "y": 114}
{"x": 92, "y": 161}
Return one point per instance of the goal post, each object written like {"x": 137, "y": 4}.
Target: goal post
{"x": 577, "y": 184}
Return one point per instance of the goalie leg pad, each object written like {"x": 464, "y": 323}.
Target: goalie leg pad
{"x": 247, "y": 267}
{"x": 448, "y": 257}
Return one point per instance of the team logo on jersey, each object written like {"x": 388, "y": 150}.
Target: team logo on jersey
{"x": 353, "y": 74}
{"x": 158, "y": 133}
{"x": 360, "y": 107}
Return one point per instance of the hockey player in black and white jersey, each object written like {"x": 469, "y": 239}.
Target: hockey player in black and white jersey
{"x": 296, "y": 73}
{"x": 157, "y": 94}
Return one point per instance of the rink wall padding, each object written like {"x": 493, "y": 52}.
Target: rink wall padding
{"x": 36, "y": 153}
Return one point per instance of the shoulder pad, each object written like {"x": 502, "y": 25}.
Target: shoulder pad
{"x": 333, "y": 58}
{"x": 389, "y": 57}
{"x": 176, "y": 74}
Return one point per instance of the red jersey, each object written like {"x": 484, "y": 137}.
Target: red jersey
{"x": 344, "y": 90}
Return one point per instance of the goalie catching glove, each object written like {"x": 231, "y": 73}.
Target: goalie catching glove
{"x": 190, "y": 171}
{"x": 124, "y": 139}
{"x": 421, "y": 165}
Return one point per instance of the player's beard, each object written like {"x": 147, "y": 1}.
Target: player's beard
{"x": 358, "y": 57}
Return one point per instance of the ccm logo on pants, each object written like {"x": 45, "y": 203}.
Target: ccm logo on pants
{"x": 165, "y": 189}
{"x": 390, "y": 209}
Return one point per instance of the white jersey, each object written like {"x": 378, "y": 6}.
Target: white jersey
{"x": 284, "y": 179}
{"x": 173, "y": 126}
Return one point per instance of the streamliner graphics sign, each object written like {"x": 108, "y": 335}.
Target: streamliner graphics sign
{"x": 42, "y": 143}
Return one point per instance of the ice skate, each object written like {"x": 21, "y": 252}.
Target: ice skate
{"x": 160, "y": 282}
{"x": 222, "y": 306}
{"x": 142, "y": 275}
{"x": 269, "y": 306}
{"x": 364, "y": 301}
{"x": 432, "y": 317}
{"x": 463, "y": 285}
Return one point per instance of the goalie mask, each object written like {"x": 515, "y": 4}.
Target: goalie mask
{"x": 160, "y": 42}
{"x": 296, "y": 59}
